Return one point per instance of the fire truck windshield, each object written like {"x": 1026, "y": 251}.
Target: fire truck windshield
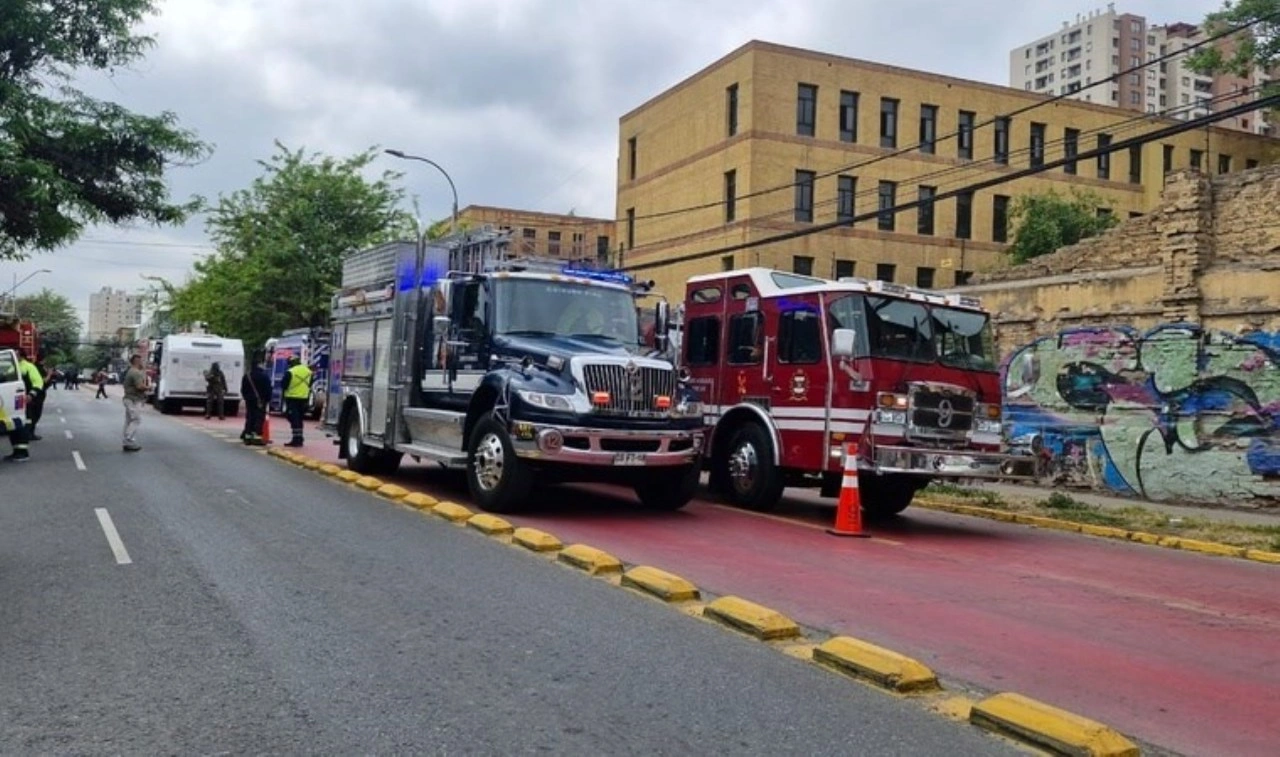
{"x": 544, "y": 307}
{"x": 905, "y": 330}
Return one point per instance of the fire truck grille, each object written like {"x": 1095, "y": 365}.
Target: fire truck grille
{"x": 632, "y": 388}
{"x": 941, "y": 413}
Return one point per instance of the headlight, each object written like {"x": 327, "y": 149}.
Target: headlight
{"x": 688, "y": 409}
{"x": 546, "y": 401}
{"x": 891, "y": 417}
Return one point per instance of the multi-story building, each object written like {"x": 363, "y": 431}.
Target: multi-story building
{"x": 1102, "y": 44}
{"x": 773, "y": 139}
{"x": 110, "y": 310}
{"x": 571, "y": 237}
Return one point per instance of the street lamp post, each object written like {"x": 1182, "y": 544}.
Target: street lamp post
{"x": 10, "y": 296}
{"x": 453, "y": 222}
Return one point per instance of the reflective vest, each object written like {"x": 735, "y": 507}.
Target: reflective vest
{"x": 31, "y": 373}
{"x": 299, "y": 386}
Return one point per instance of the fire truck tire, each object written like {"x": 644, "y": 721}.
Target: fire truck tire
{"x": 886, "y": 496}
{"x": 498, "y": 480}
{"x": 669, "y": 490}
{"x": 361, "y": 458}
{"x": 751, "y": 479}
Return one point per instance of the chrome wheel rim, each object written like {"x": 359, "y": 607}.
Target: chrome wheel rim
{"x": 353, "y": 441}
{"x": 744, "y": 465}
{"x": 488, "y": 462}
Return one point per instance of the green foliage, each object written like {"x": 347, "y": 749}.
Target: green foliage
{"x": 1060, "y": 501}
{"x": 1257, "y": 47}
{"x": 1049, "y": 221}
{"x": 56, "y": 321}
{"x": 99, "y": 355}
{"x": 66, "y": 159}
{"x": 984, "y": 497}
{"x": 280, "y": 244}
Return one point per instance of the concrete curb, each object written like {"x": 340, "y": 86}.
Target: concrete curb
{"x": 369, "y": 483}
{"x": 536, "y": 541}
{"x": 868, "y": 662}
{"x": 594, "y": 561}
{"x": 1049, "y": 727}
{"x": 420, "y": 501}
{"x": 392, "y": 491}
{"x": 490, "y": 525}
{"x": 349, "y": 476}
{"x": 1107, "y": 532}
{"x": 452, "y": 512}
{"x": 665, "y": 586}
{"x": 329, "y": 469}
{"x": 752, "y": 619}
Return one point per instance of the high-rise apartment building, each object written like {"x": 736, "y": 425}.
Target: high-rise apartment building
{"x": 111, "y": 310}
{"x": 1105, "y": 43}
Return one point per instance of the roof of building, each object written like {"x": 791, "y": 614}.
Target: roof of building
{"x": 773, "y": 283}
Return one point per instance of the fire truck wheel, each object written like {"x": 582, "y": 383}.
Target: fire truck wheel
{"x": 747, "y": 469}
{"x": 361, "y": 458}
{"x": 886, "y": 496}
{"x": 498, "y": 480}
{"x": 669, "y": 490}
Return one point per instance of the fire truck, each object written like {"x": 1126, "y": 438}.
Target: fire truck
{"x": 15, "y": 333}
{"x": 309, "y": 345}
{"x": 791, "y": 369}
{"x": 516, "y": 370}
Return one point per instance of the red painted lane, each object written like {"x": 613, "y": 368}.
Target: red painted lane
{"x": 1177, "y": 649}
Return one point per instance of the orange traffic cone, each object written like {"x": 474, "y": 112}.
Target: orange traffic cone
{"x": 849, "y": 507}
{"x": 266, "y": 428}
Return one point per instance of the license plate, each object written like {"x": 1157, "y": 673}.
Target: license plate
{"x": 629, "y": 458}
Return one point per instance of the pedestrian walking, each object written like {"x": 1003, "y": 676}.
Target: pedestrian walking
{"x": 296, "y": 393}
{"x": 135, "y": 396}
{"x": 255, "y": 387}
{"x": 215, "y": 392}
{"x": 33, "y": 380}
{"x": 100, "y": 378}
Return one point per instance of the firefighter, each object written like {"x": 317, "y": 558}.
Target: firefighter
{"x": 33, "y": 380}
{"x": 296, "y": 392}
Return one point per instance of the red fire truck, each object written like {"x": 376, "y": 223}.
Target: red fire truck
{"x": 791, "y": 369}
{"x": 19, "y": 333}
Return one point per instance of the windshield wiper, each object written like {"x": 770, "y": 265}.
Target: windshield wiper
{"x": 596, "y": 336}
{"x": 528, "y": 332}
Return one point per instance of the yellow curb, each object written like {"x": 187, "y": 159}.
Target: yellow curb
{"x": 349, "y": 476}
{"x": 1043, "y": 522}
{"x": 391, "y": 491}
{"x": 535, "y": 540}
{"x": 1142, "y": 537}
{"x": 1047, "y": 726}
{"x": 369, "y": 483}
{"x": 1263, "y": 556}
{"x": 590, "y": 559}
{"x": 420, "y": 500}
{"x": 451, "y": 511}
{"x": 661, "y": 584}
{"x": 489, "y": 525}
{"x": 277, "y": 452}
{"x": 751, "y": 618}
{"x": 1105, "y": 532}
{"x": 329, "y": 469}
{"x": 310, "y": 463}
{"x": 881, "y": 666}
{"x": 1212, "y": 548}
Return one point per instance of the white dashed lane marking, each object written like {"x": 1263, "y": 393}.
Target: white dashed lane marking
{"x": 75, "y": 455}
{"x": 113, "y": 537}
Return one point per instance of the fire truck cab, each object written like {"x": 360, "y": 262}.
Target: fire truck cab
{"x": 791, "y": 369}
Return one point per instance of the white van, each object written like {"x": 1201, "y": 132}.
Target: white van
{"x": 183, "y": 360}
{"x": 13, "y": 393}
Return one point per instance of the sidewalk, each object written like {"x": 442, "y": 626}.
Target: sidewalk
{"x": 1223, "y": 514}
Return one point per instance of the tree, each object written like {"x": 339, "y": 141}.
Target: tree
{"x": 66, "y": 159}
{"x": 1257, "y": 47}
{"x": 1046, "y": 222}
{"x": 279, "y": 243}
{"x": 56, "y": 321}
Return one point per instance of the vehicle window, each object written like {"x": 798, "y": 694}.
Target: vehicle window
{"x": 543, "y": 307}
{"x": 702, "y": 338}
{"x": 746, "y": 339}
{"x": 8, "y": 368}
{"x": 849, "y": 313}
{"x": 706, "y": 295}
{"x": 899, "y": 329}
{"x": 357, "y": 361}
{"x": 799, "y": 337}
{"x": 964, "y": 339}
{"x": 792, "y": 280}
{"x": 740, "y": 291}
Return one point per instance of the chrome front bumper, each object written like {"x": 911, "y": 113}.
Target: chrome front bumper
{"x": 948, "y": 463}
{"x": 573, "y": 445}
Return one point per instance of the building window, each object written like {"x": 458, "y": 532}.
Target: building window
{"x": 1197, "y": 158}
{"x": 1002, "y": 140}
{"x": 1224, "y": 164}
{"x": 846, "y": 190}
{"x": 631, "y": 228}
{"x": 530, "y": 240}
{"x": 631, "y": 158}
{"x": 1250, "y": 164}
{"x": 553, "y": 243}
{"x": 731, "y": 108}
{"x": 746, "y": 339}
{"x": 848, "y": 116}
{"x": 884, "y": 221}
{"x": 844, "y": 269}
{"x": 1070, "y": 148}
{"x": 924, "y": 213}
{"x": 924, "y": 277}
{"x": 802, "y": 264}
{"x": 1000, "y": 218}
{"x": 963, "y": 277}
{"x": 964, "y": 136}
{"x": 888, "y": 122}
{"x": 1135, "y": 97}
{"x": 703, "y": 337}
{"x": 806, "y": 110}
{"x": 1135, "y": 164}
{"x": 1166, "y": 163}
{"x": 730, "y": 196}
{"x": 1104, "y": 159}
{"x": 578, "y": 239}
{"x": 804, "y": 196}
{"x": 726, "y": 263}
{"x": 1037, "y": 145}
{"x": 964, "y": 215}
{"x": 928, "y": 128}
{"x": 602, "y": 249}
{"x": 885, "y": 272}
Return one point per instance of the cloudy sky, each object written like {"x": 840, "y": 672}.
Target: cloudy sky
{"x": 518, "y": 99}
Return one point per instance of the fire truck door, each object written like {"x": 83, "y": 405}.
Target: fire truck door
{"x": 797, "y": 377}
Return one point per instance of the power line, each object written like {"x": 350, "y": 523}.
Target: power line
{"x": 1125, "y": 144}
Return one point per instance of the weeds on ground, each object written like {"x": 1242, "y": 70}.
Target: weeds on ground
{"x": 980, "y": 497}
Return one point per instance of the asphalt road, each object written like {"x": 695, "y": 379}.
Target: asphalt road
{"x": 251, "y": 607}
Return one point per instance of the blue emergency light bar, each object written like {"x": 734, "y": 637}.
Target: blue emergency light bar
{"x": 611, "y": 277}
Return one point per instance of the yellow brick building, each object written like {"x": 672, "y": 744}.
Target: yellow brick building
{"x": 767, "y": 116}
{"x": 569, "y": 237}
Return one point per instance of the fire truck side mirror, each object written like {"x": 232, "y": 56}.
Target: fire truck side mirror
{"x": 843, "y": 342}
{"x": 661, "y": 323}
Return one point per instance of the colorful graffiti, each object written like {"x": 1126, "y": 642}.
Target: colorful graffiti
{"x": 1178, "y": 412}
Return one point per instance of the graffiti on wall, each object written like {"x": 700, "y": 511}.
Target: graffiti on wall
{"x": 1178, "y": 412}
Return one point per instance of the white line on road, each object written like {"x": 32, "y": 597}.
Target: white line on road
{"x": 75, "y": 454}
{"x": 61, "y": 419}
{"x": 68, "y": 433}
{"x": 113, "y": 537}
{"x": 59, "y": 410}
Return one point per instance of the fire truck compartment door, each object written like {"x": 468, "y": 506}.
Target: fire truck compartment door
{"x": 382, "y": 401}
